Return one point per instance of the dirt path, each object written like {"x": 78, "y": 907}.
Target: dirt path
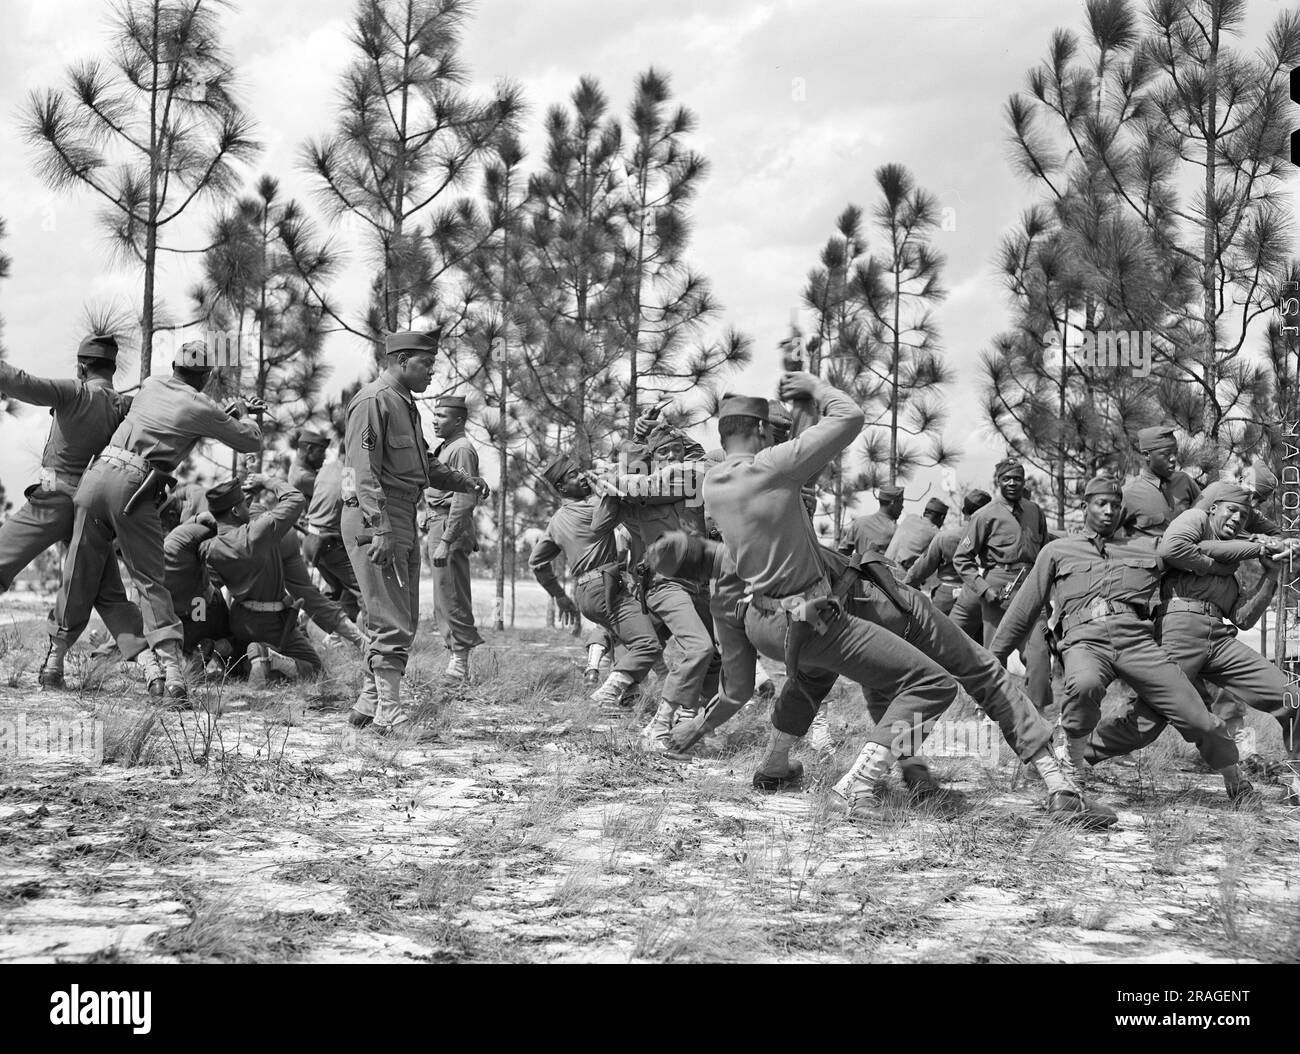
{"x": 532, "y": 831}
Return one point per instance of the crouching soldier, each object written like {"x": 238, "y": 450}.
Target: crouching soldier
{"x": 1104, "y": 590}
{"x": 245, "y": 558}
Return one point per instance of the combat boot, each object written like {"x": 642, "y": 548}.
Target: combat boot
{"x": 655, "y": 735}
{"x": 591, "y": 678}
{"x": 363, "y": 710}
{"x": 1071, "y": 807}
{"x": 51, "y": 674}
{"x": 920, "y": 781}
{"x": 777, "y": 771}
{"x": 169, "y": 656}
{"x": 610, "y": 694}
{"x": 458, "y": 665}
{"x": 856, "y": 790}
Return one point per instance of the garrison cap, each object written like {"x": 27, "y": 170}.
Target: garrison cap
{"x": 557, "y": 468}
{"x": 1157, "y": 437}
{"x": 225, "y": 495}
{"x": 1009, "y": 465}
{"x": 456, "y": 402}
{"x": 193, "y": 355}
{"x": 743, "y": 406}
{"x": 1234, "y": 493}
{"x": 99, "y": 346}
{"x": 974, "y": 501}
{"x": 889, "y": 493}
{"x": 307, "y": 435}
{"x": 411, "y": 342}
{"x": 935, "y": 505}
{"x": 1103, "y": 485}
{"x": 1259, "y": 478}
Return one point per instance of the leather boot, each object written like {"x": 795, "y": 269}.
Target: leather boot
{"x": 777, "y": 771}
{"x": 458, "y": 665}
{"x": 153, "y": 673}
{"x": 51, "y": 675}
{"x": 174, "y": 688}
{"x": 363, "y": 710}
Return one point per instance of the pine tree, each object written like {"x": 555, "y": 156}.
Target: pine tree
{"x": 150, "y": 131}
{"x": 409, "y": 131}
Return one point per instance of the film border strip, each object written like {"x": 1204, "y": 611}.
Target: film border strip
{"x": 1289, "y": 485}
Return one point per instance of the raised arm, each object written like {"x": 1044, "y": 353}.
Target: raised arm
{"x": 1182, "y": 547}
{"x": 38, "y": 391}
{"x": 277, "y": 521}
{"x": 804, "y": 456}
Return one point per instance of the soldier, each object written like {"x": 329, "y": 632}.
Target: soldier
{"x": 1159, "y": 492}
{"x": 950, "y": 595}
{"x": 994, "y": 556}
{"x": 873, "y": 533}
{"x": 200, "y": 607}
{"x": 452, "y": 537}
{"x": 322, "y": 544}
{"x": 1104, "y": 590}
{"x": 118, "y": 499}
{"x": 754, "y": 498}
{"x": 1201, "y": 551}
{"x": 86, "y": 412}
{"x": 309, "y": 457}
{"x": 582, "y": 528}
{"x": 915, "y": 533}
{"x": 387, "y": 464}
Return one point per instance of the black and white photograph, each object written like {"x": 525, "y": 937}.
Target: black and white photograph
{"x": 747, "y": 482}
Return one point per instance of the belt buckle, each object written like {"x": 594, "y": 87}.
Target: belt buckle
{"x": 1100, "y": 608}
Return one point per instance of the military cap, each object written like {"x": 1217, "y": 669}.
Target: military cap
{"x": 889, "y": 493}
{"x": 456, "y": 402}
{"x": 411, "y": 342}
{"x": 557, "y": 468}
{"x": 935, "y": 505}
{"x": 1103, "y": 485}
{"x": 974, "y": 501}
{"x": 306, "y": 435}
{"x": 1234, "y": 493}
{"x": 743, "y": 406}
{"x": 1157, "y": 437}
{"x": 1259, "y": 479}
{"x": 1010, "y": 465}
{"x": 98, "y": 346}
{"x": 225, "y": 495}
{"x": 193, "y": 355}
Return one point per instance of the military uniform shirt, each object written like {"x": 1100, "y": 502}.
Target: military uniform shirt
{"x": 186, "y": 577}
{"x": 303, "y": 478}
{"x": 1150, "y": 503}
{"x": 325, "y": 510}
{"x": 913, "y": 536}
{"x": 245, "y": 557}
{"x": 387, "y": 455}
{"x": 999, "y": 536}
{"x": 168, "y": 419}
{"x": 1075, "y": 571}
{"x": 757, "y": 504}
{"x": 937, "y": 559}
{"x": 459, "y": 531}
{"x": 870, "y": 534}
{"x": 1192, "y": 555}
{"x": 584, "y": 532}
{"x": 86, "y": 413}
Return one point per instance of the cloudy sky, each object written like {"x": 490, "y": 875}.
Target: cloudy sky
{"x": 799, "y": 101}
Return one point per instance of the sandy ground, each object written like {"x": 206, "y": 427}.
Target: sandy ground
{"x": 259, "y": 827}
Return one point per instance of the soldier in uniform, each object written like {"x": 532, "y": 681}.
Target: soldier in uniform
{"x": 309, "y": 456}
{"x": 1201, "y": 608}
{"x": 387, "y": 464}
{"x": 198, "y": 604}
{"x": 1159, "y": 492}
{"x": 950, "y": 595}
{"x": 86, "y": 412}
{"x": 754, "y": 498}
{"x": 915, "y": 533}
{"x": 244, "y": 556}
{"x": 583, "y": 529}
{"x": 1104, "y": 590}
{"x": 873, "y": 533}
{"x": 322, "y": 544}
{"x": 1000, "y": 545}
{"x": 452, "y": 537}
{"x": 118, "y": 500}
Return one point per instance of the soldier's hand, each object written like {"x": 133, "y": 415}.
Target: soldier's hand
{"x": 254, "y": 482}
{"x": 481, "y": 489}
{"x": 382, "y": 550}
{"x": 642, "y": 427}
{"x": 798, "y": 385}
{"x": 254, "y": 405}
{"x": 440, "y": 553}
{"x": 206, "y": 519}
{"x": 568, "y": 611}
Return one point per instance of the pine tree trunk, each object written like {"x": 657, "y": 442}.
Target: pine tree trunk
{"x": 1211, "y": 413}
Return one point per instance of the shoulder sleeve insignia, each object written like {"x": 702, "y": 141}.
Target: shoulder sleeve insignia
{"x": 368, "y": 438}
